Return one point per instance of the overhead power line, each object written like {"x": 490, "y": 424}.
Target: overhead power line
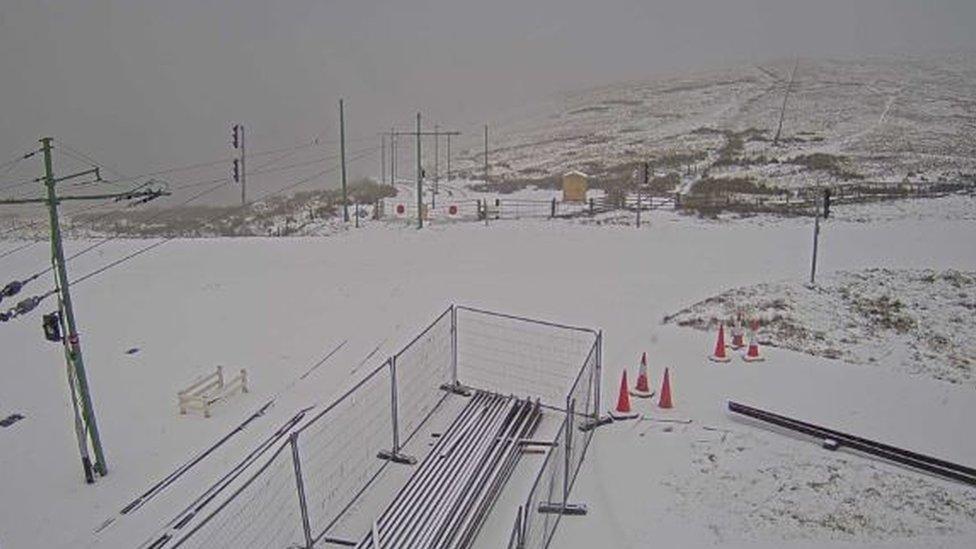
{"x": 362, "y": 154}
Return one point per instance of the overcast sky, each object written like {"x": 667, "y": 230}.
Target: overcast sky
{"x": 148, "y": 84}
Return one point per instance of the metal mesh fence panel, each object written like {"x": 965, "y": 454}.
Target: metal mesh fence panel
{"x": 421, "y": 368}
{"x": 339, "y": 448}
{"x": 580, "y": 410}
{"x": 548, "y": 489}
{"x": 264, "y": 512}
{"x": 523, "y": 357}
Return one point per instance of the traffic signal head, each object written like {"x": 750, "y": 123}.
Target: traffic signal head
{"x": 234, "y": 139}
{"x": 237, "y": 170}
{"x": 826, "y": 203}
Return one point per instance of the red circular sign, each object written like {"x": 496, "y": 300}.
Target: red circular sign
{"x": 400, "y": 209}
{"x": 452, "y": 210}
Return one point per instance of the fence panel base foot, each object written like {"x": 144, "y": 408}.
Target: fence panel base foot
{"x": 397, "y": 457}
{"x": 572, "y": 509}
{"x": 594, "y": 423}
{"x": 339, "y": 541}
{"x": 457, "y": 389}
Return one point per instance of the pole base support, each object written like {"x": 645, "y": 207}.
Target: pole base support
{"x": 572, "y": 509}
{"x": 457, "y": 389}
{"x": 397, "y": 457}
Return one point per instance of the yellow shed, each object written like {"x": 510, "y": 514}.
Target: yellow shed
{"x": 574, "y": 186}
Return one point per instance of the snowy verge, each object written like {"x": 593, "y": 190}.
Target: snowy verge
{"x": 914, "y": 321}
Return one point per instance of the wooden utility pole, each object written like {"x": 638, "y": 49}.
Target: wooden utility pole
{"x": 382, "y": 158}
{"x": 437, "y": 139}
{"x": 393, "y": 154}
{"x": 486, "y": 154}
{"x": 420, "y": 181}
{"x": 448, "y": 157}
{"x": 782, "y": 111}
{"x": 86, "y": 426}
{"x": 342, "y": 154}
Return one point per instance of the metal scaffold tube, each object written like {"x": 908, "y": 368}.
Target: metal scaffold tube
{"x": 446, "y": 500}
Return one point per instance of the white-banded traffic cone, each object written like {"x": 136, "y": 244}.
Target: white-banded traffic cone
{"x": 642, "y": 389}
{"x": 752, "y": 354}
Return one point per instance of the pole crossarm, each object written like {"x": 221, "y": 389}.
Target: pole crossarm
{"x": 426, "y": 133}
{"x": 118, "y": 196}
{"x": 95, "y": 171}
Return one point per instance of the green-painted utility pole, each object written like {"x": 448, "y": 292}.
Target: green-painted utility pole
{"x": 86, "y": 427}
{"x": 420, "y": 181}
{"x": 342, "y": 154}
{"x": 420, "y": 169}
{"x": 72, "y": 341}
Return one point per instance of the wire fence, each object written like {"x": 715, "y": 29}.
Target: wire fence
{"x": 537, "y": 519}
{"x": 338, "y": 449}
{"x": 519, "y": 356}
{"x": 778, "y": 201}
{"x": 311, "y": 479}
{"x": 469, "y": 209}
{"x": 264, "y": 512}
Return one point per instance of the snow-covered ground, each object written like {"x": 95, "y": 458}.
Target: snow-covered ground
{"x": 915, "y": 321}
{"x": 276, "y": 306}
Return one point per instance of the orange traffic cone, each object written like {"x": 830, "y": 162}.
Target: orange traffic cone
{"x": 719, "y": 355}
{"x": 737, "y": 334}
{"x": 623, "y": 410}
{"x": 665, "y": 401}
{"x": 752, "y": 354}
{"x": 643, "y": 388}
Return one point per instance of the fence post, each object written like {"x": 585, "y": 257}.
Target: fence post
{"x": 454, "y": 346}
{"x": 515, "y": 541}
{"x": 591, "y": 206}
{"x": 567, "y": 450}
{"x": 599, "y": 375}
{"x": 394, "y": 454}
{"x": 394, "y": 405}
{"x": 300, "y": 484}
{"x": 552, "y": 209}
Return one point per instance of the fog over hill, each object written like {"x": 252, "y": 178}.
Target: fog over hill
{"x": 879, "y": 118}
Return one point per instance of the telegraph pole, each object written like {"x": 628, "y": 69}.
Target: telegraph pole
{"x": 437, "y": 139}
{"x": 86, "y": 426}
{"x": 342, "y": 154}
{"x": 420, "y": 181}
{"x": 486, "y": 154}
{"x": 448, "y": 157}
{"x": 383, "y": 158}
{"x": 72, "y": 341}
{"x": 392, "y": 157}
{"x": 420, "y": 170}
{"x": 786, "y": 95}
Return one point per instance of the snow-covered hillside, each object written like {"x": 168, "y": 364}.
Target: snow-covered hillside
{"x": 879, "y": 119}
